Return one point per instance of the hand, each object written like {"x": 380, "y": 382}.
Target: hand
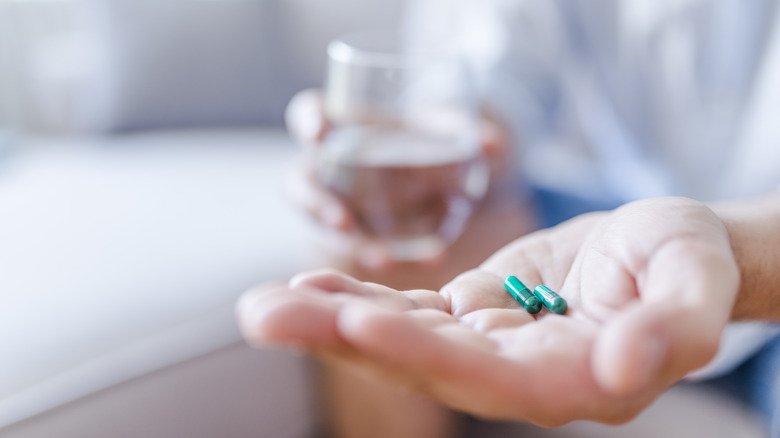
{"x": 308, "y": 125}
{"x": 650, "y": 288}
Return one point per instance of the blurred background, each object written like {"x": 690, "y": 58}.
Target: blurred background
{"x": 141, "y": 156}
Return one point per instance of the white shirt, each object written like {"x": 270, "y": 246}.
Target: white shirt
{"x": 624, "y": 100}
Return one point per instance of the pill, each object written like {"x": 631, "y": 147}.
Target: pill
{"x": 553, "y": 301}
{"x": 522, "y": 294}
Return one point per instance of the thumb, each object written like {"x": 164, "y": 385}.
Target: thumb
{"x": 685, "y": 297}
{"x": 651, "y": 345}
{"x": 305, "y": 117}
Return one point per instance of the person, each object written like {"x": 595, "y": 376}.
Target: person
{"x": 663, "y": 107}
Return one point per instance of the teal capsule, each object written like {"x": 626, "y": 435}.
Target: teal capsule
{"x": 522, "y": 294}
{"x": 553, "y": 301}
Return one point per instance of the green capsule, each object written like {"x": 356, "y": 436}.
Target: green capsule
{"x": 522, "y": 294}
{"x": 553, "y": 301}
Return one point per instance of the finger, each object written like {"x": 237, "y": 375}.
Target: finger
{"x": 330, "y": 280}
{"x": 489, "y": 320}
{"x": 441, "y": 367}
{"x": 556, "y": 351}
{"x": 305, "y": 117}
{"x": 466, "y": 337}
{"x": 275, "y": 315}
{"x": 606, "y": 280}
{"x": 431, "y": 318}
{"x": 523, "y": 380}
{"x": 308, "y": 194}
{"x": 448, "y": 327}
{"x": 520, "y": 259}
{"x": 475, "y": 290}
{"x": 465, "y": 371}
{"x": 303, "y": 316}
{"x": 428, "y": 299}
{"x": 347, "y": 356}
{"x": 687, "y": 294}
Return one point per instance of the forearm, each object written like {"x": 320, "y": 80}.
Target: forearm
{"x": 754, "y": 232}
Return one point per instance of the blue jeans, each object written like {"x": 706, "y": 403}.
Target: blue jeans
{"x": 555, "y": 207}
{"x": 757, "y": 383}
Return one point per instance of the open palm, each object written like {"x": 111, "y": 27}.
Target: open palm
{"x": 650, "y": 287}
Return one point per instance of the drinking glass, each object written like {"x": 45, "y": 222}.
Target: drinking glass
{"x": 403, "y": 151}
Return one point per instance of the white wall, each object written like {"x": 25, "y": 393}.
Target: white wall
{"x": 36, "y": 69}
{"x": 108, "y": 65}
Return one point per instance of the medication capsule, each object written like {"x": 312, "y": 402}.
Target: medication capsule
{"x": 553, "y": 301}
{"x": 522, "y": 294}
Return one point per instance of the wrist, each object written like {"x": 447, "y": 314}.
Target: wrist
{"x": 754, "y": 233}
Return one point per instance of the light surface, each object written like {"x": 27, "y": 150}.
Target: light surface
{"x": 119, "y": 257}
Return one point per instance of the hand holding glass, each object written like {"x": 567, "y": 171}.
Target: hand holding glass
{"x": 403, "y": 153}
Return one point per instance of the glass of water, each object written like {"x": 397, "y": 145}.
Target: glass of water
{"x": 403, "y": 153}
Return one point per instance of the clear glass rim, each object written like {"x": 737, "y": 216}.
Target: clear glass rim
{"x": 347, "y": 49}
